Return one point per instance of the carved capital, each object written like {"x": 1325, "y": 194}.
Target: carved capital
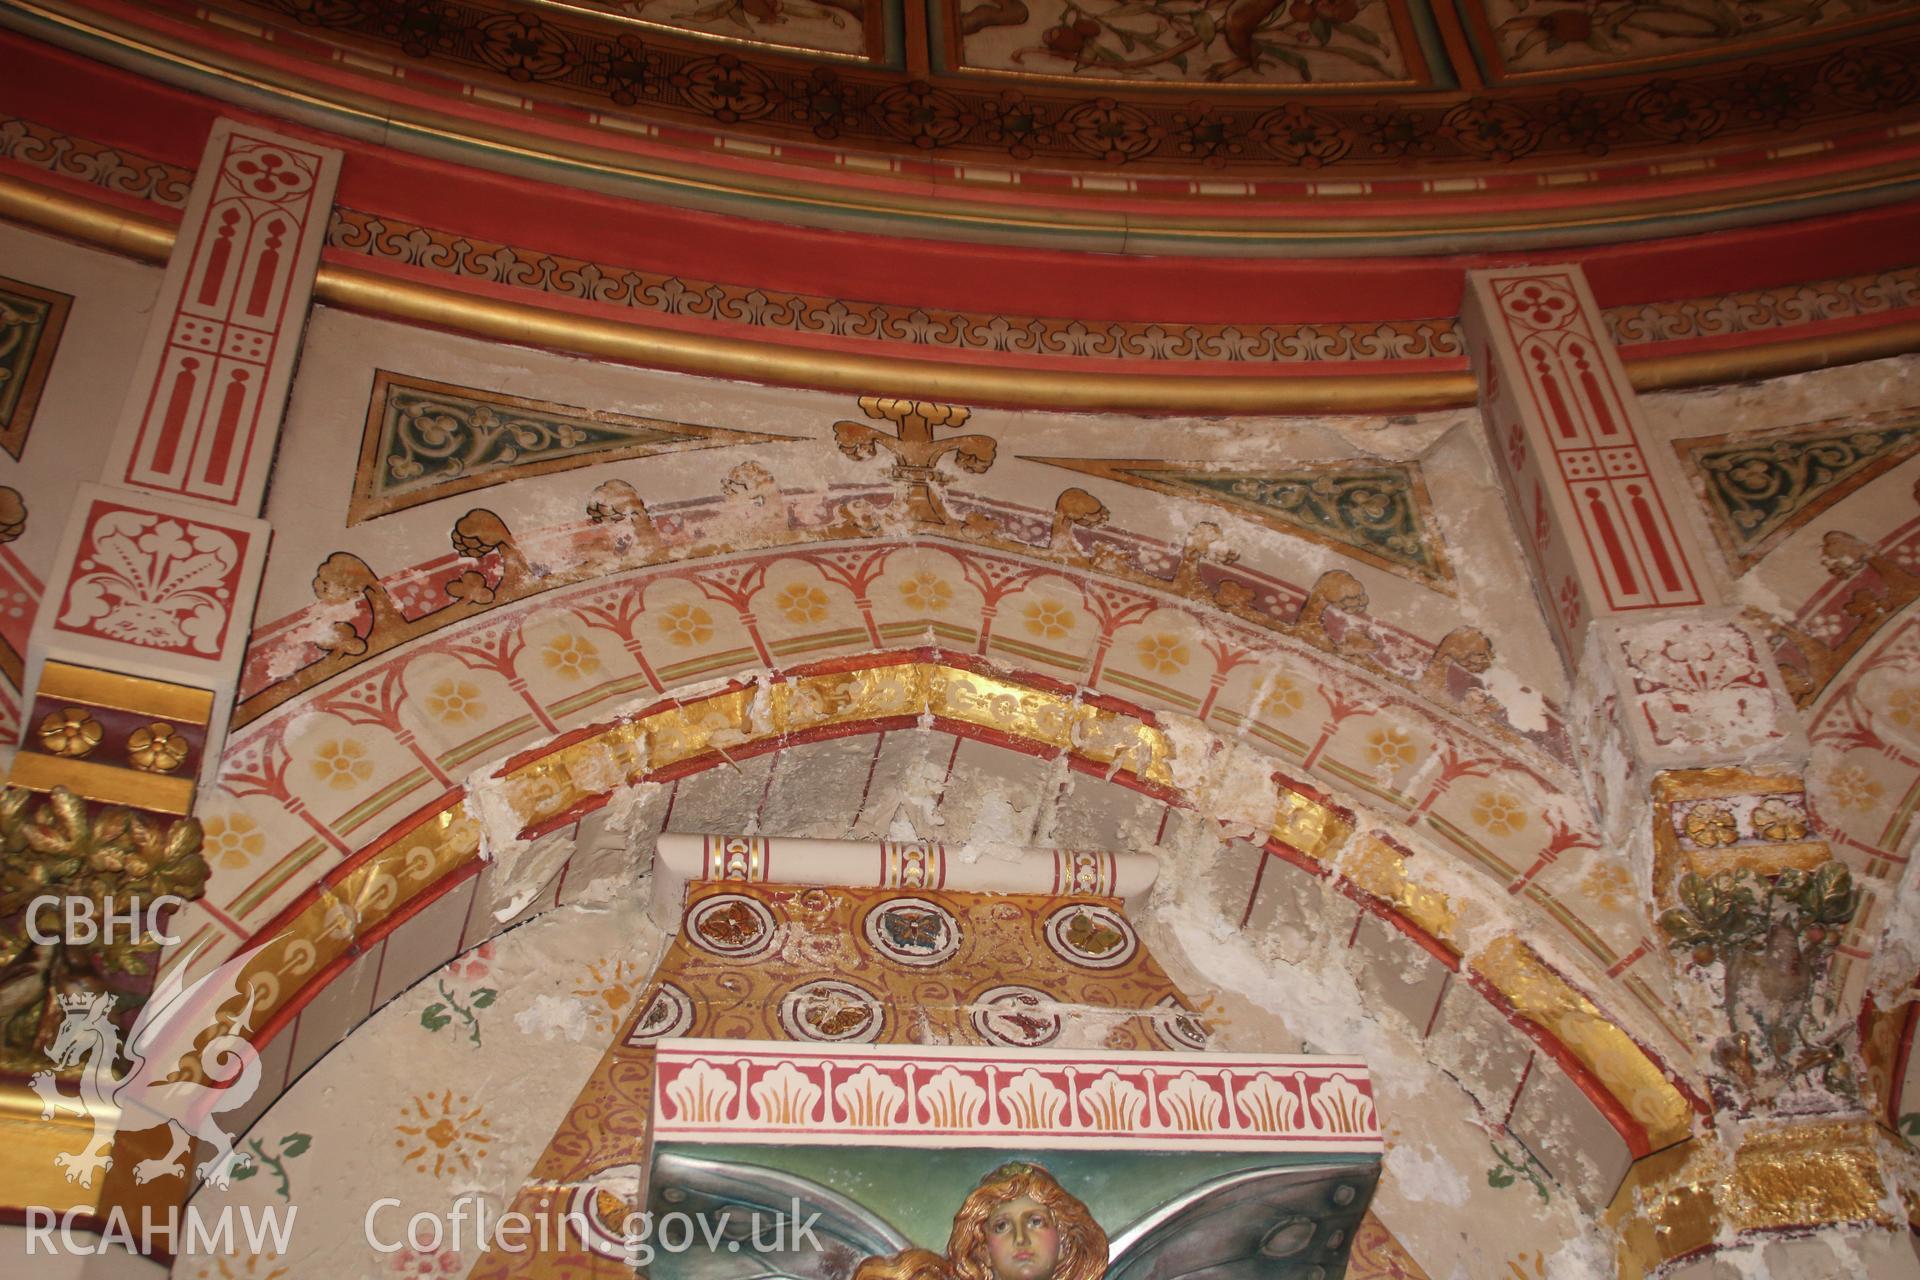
{"x": 1752, "y": 909}
{"x": 1701, "y": 1196}
{"x": 1677, "y": 693}
{"x": 65, "y": 857}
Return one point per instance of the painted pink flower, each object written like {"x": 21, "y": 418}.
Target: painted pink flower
{"x": 417, "y": 1265}
{"x": 474, "y": 965}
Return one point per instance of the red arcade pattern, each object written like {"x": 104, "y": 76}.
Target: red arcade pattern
{"x": 233, "y": 324}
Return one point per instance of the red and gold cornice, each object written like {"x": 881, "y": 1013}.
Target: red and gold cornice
{"x": 435, "y": 242}
{"x": 1496, "y": 165}
{"x": 534, "y": 319}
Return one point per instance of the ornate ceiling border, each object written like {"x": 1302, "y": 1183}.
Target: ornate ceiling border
{"x": 1501, "y": 179}
{"x": 629, "y": 338}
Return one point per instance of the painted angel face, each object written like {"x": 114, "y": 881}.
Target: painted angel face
{"x": 1023, "y": 1241}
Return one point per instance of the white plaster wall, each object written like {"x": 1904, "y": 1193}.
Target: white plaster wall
{"x": 80, "y": 402}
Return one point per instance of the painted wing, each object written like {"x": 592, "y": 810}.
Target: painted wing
{"x": 178, "y": 1011}
{"x": 741, "y": 1197}
{"x": 1287, "y": 1223}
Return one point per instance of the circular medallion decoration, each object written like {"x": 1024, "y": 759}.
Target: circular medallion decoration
{"x": 1018, "y": 1016}
{"x": 832, "y": 1011}
{"x": 1178, "y": 1026}
{"x": 669, "y": 1013}
{"x": 1542, "y": 304}
{"x": 1092, "y": 937}
{"x": 603, "y": 1211}
{"x": 913, "y": 931}
{"x": 731, "y": 924}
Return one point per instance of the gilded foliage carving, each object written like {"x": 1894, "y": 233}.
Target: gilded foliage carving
{"x": 60, "y": 847}
{"x": 1775, "y": 935}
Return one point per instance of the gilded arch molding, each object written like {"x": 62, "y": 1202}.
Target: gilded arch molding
{"x": 400, "y": 872}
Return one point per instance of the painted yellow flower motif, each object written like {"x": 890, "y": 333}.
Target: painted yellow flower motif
{"x": 156, "y": 748}
{"x": 1903, "y": 704}
{"x": 1710, "y": 826}
{"x": 1390, "y": 748}
{"x": 232, "y": 839}
{"x": 342, "y": 763}
{"x": 1609, "y": 885}
{"x": 1163, "y": 653}
{"x": 801, "y": 603}
{"x": 1283, "y": 698}
{"x": 1775, "y": 819}
{"x": 70, "y": 732}
{"x": 609, "y": 989}
{"x": 1498, "y": 813}
{"x": 684, "y": 624}
{"x": 571, "y": 656}
{"x": 443, "y": 1132}
{"x": 255, "y": 1266}
{"x": 1526, "y": 1266}
{"x": 924, "y": 591}
{"x": 1049, "y": 619}
{"x": 1852, "y": 787}
{"x": 454, "y": 701}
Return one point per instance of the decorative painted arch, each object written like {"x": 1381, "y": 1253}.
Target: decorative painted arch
{"x": 322, "y": 961}
{"x": 310, "y": 780}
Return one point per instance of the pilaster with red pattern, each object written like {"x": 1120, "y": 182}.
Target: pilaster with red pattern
{"x": 211, "y": 383}
{"x": 159, "y": 565}
{"x": 1597, "y": 515}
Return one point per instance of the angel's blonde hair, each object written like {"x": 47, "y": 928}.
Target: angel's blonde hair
{"x": 1083, "y": 1245}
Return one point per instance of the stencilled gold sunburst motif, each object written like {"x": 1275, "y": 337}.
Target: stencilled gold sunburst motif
{"x": 441, "y": 1132}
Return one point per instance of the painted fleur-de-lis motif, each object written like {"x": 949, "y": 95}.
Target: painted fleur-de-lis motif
{"x": 916, "y": 451}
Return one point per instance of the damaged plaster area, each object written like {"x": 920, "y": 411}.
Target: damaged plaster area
{"x": 1291, "y": 983}
{"x": 446, "y": 1095}
{"x": 1302, "y": 976}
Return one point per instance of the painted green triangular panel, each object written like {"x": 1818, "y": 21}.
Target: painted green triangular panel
{"x": 1377, "y": 510}
{"x": 1759, "y": 489}
{"x": 431, "y": 438}
{"x": 427, "y": 440}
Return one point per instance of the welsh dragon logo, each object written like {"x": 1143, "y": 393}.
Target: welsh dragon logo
{"x": 148, "y": 1095}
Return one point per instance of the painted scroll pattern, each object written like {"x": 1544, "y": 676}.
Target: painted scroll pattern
{"x": 31, "y": 321}
{"x": 1760, "y": 488}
